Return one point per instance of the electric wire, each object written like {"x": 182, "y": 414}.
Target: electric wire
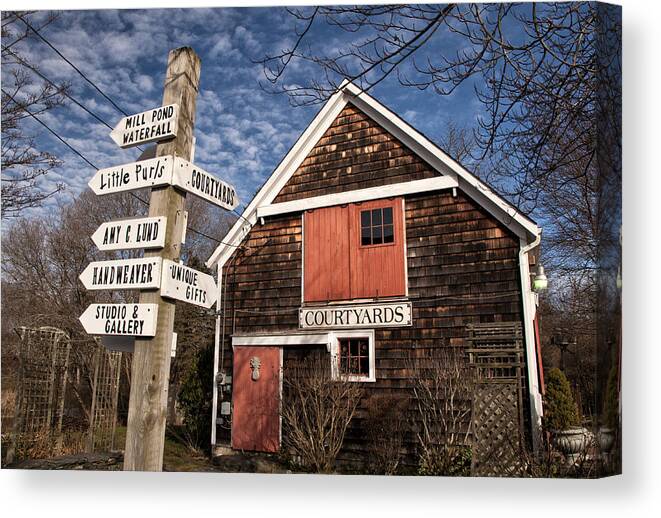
{"x": 23, "y": 107}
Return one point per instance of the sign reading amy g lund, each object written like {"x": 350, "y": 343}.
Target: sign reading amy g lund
{"x": 183, "y": 283}
{"x": 125, "y": 234}
{"x": 142, "y": 273}
{"x": 156, "y": 124}
{"x": 120, "y": 319}
{"x": 394, "y": 314}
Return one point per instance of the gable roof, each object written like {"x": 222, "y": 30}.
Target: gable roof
{"x": 507, "y": 214}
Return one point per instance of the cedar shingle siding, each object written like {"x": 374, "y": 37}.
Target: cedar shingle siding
{"x": 462, "y": 263}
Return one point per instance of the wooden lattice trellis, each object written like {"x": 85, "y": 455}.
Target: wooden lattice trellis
{"x": 44, "y": 363}
{"x": 496, "y": 352}
{"x": 43, "y": 373}
{"x": 105, "y": 393}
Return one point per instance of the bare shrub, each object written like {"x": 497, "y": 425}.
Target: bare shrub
{"x": 385, "y": 428}
{"x": 443, "y": 385}
{"x": 316, "y": 412}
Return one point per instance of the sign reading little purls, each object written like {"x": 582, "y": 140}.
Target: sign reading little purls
{"x": 157, "y": 124}
{"x": 395, "y": 314}
{"x": 132, "y": 176}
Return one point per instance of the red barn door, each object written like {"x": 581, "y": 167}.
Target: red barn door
{"x": 256, "y": 399}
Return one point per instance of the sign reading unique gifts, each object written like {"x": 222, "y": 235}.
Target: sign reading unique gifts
{"x": 394, "y": 314}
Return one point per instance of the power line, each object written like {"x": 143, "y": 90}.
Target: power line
{"x": 48, "y": 128}
{"x": 61, "y": 89}
{"x": 70, "y": 63}
{"x": 195, "y": 231}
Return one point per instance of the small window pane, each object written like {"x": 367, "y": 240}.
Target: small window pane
{"x": 365, "y": 236}
{"x": 377, "y": 237}
{"x": 387, "y": 216}
{"x": 364, "y": 366}
{"x": 365, "y": 218}
{"x": 388, "y": 236}
{"x": 376, "y": 217}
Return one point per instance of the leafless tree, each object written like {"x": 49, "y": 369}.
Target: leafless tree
{"x": 540, "y": 70}
{"x": 443, "y": 384}
{"x": 23, "y": 163}
{"x": 316, "y": 412}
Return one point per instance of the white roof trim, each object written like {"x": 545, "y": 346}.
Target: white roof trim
{"x": 371, "y": 193}
{"x": 285, "y": 339}
{"x": 418, "y": 143}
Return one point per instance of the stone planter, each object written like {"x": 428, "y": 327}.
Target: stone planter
{"x": 572, "y": 442}
{"x": 606, "y": 440}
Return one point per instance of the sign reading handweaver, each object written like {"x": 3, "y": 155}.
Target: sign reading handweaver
{"x": 157, "y": 124}
{"x": 126, "y": 234}
{"x": 132, "y": 176}
{"x": 120, "y": 319}
{"x": 118, "y": 274}
{"x": 183, "y": 283}
{"x": 393, "y": 314}
{"x": 197, "y": 181}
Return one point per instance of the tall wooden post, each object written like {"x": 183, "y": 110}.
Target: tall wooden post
{"x": 150, "y": 372}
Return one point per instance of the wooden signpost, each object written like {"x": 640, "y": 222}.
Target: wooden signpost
{"x": 183, "y": 283}
{"x": 153, "y": 125}
{"x": 170, "y": 175}
{"x": 126, "y": 234}
{"x": 120, "y": 319}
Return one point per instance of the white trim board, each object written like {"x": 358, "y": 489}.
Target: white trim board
{"x": 291, "y": 339}
{"x": 507, "y": 214}
{"x": 357, "y": 195}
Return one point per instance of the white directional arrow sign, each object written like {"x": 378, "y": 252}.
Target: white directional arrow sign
{"x": 126, "y": 234}
{"x": 122, "y": 274}
{"x": 120, "y": 319}
{"x": 197, "y": 181}
{"x": 135, "y": 175}
{"x": 157, "y": 124}
{"x": 183, "y": 283}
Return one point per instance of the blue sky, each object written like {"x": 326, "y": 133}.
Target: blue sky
{"x": 242, "y": 132}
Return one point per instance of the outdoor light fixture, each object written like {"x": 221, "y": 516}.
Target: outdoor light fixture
{"x": 540, "y": 281}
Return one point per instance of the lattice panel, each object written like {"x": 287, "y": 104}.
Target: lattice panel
{"x": 42, "y": 380}
{"x": 496, "y": 437}
{"x": 105, "y": 392}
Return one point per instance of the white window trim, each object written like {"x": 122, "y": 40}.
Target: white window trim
{"x": 334, "y": 353}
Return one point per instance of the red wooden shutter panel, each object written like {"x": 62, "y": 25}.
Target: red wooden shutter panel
{"x": 337, "y": 267}
{"x": 326, "y": 254}
{"x": 378, "y": 270}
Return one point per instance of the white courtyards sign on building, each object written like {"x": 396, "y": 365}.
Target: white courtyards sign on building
{"x": 394, "y": 314}
{"x": 157, "y": 124}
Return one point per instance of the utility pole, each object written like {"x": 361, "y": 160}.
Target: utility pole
{"x": 150, "y": 373}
